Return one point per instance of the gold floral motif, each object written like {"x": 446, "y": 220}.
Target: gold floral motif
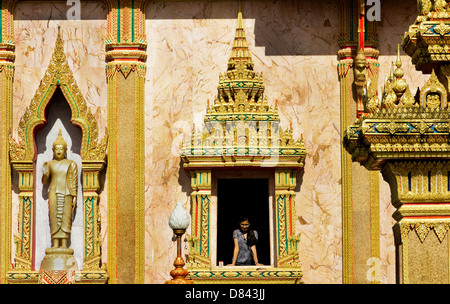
{"x": 442, "y": 29}
{"x": 423, "y": 227}
{"x": 441, "y": 230}
{"x": 422, "y": 230}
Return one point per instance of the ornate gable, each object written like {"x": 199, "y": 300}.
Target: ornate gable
{"x": 241, "y": 128}
{"x": 58, "y": 74}
{"x": 242, "y": 131}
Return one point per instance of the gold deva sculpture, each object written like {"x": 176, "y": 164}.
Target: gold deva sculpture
{"x": 62, "y": 199}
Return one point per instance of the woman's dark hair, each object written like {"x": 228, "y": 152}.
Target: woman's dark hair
{"x": 251, "y": 237}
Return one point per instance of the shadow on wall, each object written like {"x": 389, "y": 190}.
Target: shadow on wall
{"x": 294, "y": 27}
{"x": 305, "y": 27}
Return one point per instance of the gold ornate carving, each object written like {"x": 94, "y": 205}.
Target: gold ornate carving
{"x": 126, "y": 40}
{"x": 247, "y": 275}
{"x": 199, "y": 250}
{"x": 427, "y": 39}
{"x": 407, "y": 138}
{"x": 7, "y": 57}
{"x": 241, "y": 130}
{"x": 433, "y": 94}
{"x": 22, "y": 155}
{"x": 58, "y": 74}
{"x": 422, "y": 227}
{"x": 126, "y": 55}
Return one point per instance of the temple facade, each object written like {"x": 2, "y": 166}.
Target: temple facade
{"x": 324, "y": 122}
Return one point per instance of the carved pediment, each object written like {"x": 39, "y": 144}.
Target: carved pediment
{"x": 58, "y": 74}
{"x": 241, "y": 128}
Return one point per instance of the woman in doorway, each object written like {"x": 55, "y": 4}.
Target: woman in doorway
{"x": 245, "y": 240}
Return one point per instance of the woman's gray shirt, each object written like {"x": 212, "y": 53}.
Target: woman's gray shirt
{"x": 245, "y": 254}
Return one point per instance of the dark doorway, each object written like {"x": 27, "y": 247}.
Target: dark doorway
{"x": 242, "y": 197}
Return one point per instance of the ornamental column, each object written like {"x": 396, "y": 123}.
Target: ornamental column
{"x": 405, "y": 136}
{"x": 125, "y": 56}
{"x": 287, "y": 239}
{"x": 199, "y": 240}
{"x": 357, "y": 68}
{"x": 6, "y": 96}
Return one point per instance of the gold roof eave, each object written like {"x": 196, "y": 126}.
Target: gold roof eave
{"x": 241, "y": 128}
{"x": 401, "y": 134}
{"x": 194, "y": 162}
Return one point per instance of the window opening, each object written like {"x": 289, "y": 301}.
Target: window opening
{"x": 242, "y": 197}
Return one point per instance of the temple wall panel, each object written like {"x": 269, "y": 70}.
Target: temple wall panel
{"x": 293, "y": 43}
{"x": 188, "y": 46}
{"x": 36, "y": 28}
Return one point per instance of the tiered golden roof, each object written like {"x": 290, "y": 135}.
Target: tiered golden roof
{"x": 241, "y": 122}
{"x": 402, "y": 125}
{"x": 427, "y": 40}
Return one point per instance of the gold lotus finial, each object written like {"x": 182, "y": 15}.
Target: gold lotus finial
{"x": 398, "y": 71}
{"x": 399, "y": 84}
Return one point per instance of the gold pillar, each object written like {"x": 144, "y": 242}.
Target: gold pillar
{"x": 6, "y": 82}
{"x": 360, "y": 188}
{"x": 125, "y": 56}
{"x": 24, "y": 238}
{"x": 199, "y": 249}
{"x": 420, "y": 192}
{"x": 92, "y": 236}
{"x": 287, "y": 240}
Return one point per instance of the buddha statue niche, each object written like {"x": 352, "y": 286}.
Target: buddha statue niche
{"x": 62, "y": 198}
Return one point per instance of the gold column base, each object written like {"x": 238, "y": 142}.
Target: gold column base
{"x": 59, "y": 259}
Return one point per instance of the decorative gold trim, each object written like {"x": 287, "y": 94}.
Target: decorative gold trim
{"x": 93, "y": 154}
{"x": 246, "y": 275}
{"x": 199, "y": 239}
{"x": 287, "y": 240}
{"x": 139, "y": 169}
{"x": 7, "y": 72}
{"x": 112, "y": 173}
{"x": 240, "y": 131}
{"x": 346, "y": 169}
{"x": 7, "y": 57}
{"x": 81, "y": 277}
{"x": 375, "y": 217}
{"x": 126, "y": 53}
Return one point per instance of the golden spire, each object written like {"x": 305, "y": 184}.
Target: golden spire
{"x": 240, "y": 51}
{"x": 399, "y": 84}
{"x": 398, "y": 71}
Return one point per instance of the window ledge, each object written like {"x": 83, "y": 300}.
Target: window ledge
{"x": 246, "y": 274}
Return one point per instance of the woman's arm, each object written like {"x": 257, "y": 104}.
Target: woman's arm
{"x": 255, "y": 256}
{"x": 235, "y": 252}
